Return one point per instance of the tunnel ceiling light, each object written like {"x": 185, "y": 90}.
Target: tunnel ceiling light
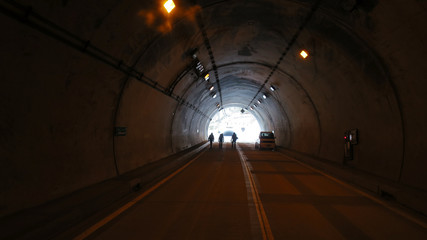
{"x": 259, "y": 101}
{"x": 272, "y": 88}
{"x": 264, "y": 96}
{"x": 303, "y": 54}
{"x": 200, "y": 67}
{"x": 214, "y": 95}
{"x": 207, "y": 77}
{"x": 252, "y": 108}
{"x": 218, "y": 105}
{"x": 169, "y": 6}
{"x": 211, "y": 88}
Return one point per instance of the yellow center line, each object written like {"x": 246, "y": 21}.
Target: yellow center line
{"x": 119, "y": 211}
{"x": 267, "y": 234}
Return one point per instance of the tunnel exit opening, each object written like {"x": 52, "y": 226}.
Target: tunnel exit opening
{"x": 233, "y": 119}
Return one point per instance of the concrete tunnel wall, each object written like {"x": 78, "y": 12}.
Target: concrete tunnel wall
{"x": 59, "y": 105}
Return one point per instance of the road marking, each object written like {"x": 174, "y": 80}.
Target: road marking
{"x": 373, "y": 198}
{"x": 119, "y": 211}
{"x": 262, "y": 216}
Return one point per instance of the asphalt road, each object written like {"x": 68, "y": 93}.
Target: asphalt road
{"x": 249, "y": 194}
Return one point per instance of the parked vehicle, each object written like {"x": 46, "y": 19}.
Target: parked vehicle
{"x": 266, "y": 140}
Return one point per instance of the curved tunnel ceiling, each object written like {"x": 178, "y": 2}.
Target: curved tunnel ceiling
{"x": 138, "y": 67}
{"x": 244, "y": 46}
{"x": 246, "y": 50}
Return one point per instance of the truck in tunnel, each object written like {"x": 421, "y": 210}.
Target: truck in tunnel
{"x": 98, "y": 98}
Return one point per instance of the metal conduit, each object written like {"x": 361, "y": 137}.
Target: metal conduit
{"x": 291, "y": 43}
{"x": 208, "y": 47}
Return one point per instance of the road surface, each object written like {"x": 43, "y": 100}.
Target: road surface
{"x": 250, "y": 194}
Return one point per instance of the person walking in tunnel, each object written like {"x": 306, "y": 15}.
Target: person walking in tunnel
{"x": 211, "y": 138}
{"x": 221, "y": 140}
{"x": 233, "y": 140}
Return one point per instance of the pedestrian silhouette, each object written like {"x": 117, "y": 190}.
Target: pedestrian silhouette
{"x": 221, "y": 140}
{"x": 233, "y": 140}
{"x": 211, "y": 139}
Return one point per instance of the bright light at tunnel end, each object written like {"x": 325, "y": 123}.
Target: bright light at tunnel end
{"x": 234, "y": 119}
{"x": 169, "y": 5}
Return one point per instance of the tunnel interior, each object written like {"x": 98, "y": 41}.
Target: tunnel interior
{"x": 92, "y": 90}
{"x": 236, "y": 120}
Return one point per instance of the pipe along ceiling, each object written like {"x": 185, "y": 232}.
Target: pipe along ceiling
{"x": 77, "y": 71}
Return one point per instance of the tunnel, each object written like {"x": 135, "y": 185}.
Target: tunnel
{"x": 93, "y": 90}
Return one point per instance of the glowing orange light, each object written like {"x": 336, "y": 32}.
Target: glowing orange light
{"x": 169, "y": 5}
{"x": 303, "y": 54}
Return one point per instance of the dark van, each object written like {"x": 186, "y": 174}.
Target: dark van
{"x": 266, "y": 140}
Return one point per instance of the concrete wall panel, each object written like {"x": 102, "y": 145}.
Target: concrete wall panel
{"x": 400, "y": 38}
{"x": 147, "y": 114}
{"x": 56, "y": 118}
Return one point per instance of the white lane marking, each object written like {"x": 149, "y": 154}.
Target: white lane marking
{"x": 119, "y": 211}
{"x": 373, "y": 198}
{"x": 262, "y": 216}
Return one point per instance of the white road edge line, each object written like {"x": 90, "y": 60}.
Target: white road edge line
{"x": 125, "y": 207}
{"x": 373, "y": 198}
{"x": 262, "y": 216}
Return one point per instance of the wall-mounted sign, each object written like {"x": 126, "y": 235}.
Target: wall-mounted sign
{"x": 120, "y": 131}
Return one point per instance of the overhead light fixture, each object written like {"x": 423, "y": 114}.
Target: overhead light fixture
{"x": 213, "y": 94}
{"x": 259, "y": 101}
{"x": 207, "y": 77}
{"x": 218, "y": 105}
{"x": 264, "y": 96}
{"x": 252, "y": 108}
{"x": 272, "y": 88}
{"x": 169, "y": 6}
{"x": 303, "y": 54}
{"x": 200, "y": 67}
{"x": 211, "y": 88}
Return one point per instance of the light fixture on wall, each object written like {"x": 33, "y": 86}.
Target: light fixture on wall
{"x": 272, "y": 88}
{"x": 213, "y": 94}
{"x": 200, "y": 67}
{"x": 303, "y": 54}
{"x": 169, "y": 6}
{"x": 264, "y": 96}
{"x": 211, "y": 88}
